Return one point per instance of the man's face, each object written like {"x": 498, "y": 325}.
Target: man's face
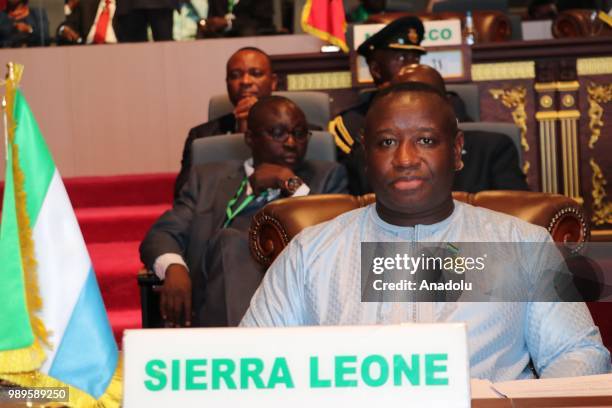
{"x": 249, "y": 74}
{"x": 411, "y": 152}
{"x": 279, "y": 135}
{"x": 385, "y": 64}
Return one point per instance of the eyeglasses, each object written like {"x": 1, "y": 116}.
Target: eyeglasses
{"x": 281, "y": 134}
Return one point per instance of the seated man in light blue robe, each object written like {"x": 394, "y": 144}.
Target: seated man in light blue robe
{"x": 413, "y": 147}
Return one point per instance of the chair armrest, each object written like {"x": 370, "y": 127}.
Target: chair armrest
{"x": 149, "y": 285}
{"x": 278, "y": 222}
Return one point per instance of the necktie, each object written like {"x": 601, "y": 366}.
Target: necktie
{"x": 100, "y": 35}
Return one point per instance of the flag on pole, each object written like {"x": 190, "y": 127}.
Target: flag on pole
{"x": 325, "y": 19}
{"x": 54, "y": 331}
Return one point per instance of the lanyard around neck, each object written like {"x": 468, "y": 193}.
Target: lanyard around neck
{"x": 233, "y": 213}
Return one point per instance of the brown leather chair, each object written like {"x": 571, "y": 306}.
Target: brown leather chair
{"x": 490, "y": 26}
{"x": 579, "y": 23}
{"x": 274, "y": 226}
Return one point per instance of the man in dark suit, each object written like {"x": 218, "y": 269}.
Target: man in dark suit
{"x": 80, "y": 26}
{"x": 23, "y": 25}
{"x": 491, "y": 162}
{"x": 135, "y": 16}
{"x": 230, "y": 18}
{"x": 248, "y": 76}
{"x": 202, "y": 242}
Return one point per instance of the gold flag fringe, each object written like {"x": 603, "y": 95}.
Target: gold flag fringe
{"x": 20, "y": 366}
{"x": 32, "y": 357}
{"x": 78, "y": 398}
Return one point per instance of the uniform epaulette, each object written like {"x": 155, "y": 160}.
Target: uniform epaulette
{"x": 342, "y": 137}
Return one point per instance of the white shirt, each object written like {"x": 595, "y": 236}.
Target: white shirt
{"x": 316, "y": 280}
{"x": 110, "y": 38}
{"x": 163, "y": 261}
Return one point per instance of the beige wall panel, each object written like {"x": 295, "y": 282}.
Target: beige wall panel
{"x": 127, "y": 108}
{"x": 45, "y": 85}
{"x": 118, "y": 108}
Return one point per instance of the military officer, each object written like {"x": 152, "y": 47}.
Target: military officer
{"x": 396, "y": 45}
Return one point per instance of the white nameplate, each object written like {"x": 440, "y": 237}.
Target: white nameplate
{"x": 438, "y": 33}
{"x": 449, "y": 63}
{"x": 362, "y": 366}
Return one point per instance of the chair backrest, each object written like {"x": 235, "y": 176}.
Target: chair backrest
{"x": 517, "y": 27}
{"x": 232, "y": 147}
{"x": 278, "y": 222}
{"x": 470, "y": 96}
{"x": 316, "y": 106}
{"x": 508, "y": 129}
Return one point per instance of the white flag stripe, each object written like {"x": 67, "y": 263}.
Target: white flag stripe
{"x": 63, "y": 262}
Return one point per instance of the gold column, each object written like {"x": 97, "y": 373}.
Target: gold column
{"x": 559, "y": 143}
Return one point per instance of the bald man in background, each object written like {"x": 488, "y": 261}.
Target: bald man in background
{"x": 490, "y": 160}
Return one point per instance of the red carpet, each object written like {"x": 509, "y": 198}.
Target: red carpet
{"x": 114, "y": 214}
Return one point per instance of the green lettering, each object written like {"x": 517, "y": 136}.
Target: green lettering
{"x": 431, "y": 368}
{"x": 280, "y": 374}
{"x": 315, "y": 381}
{"x": 223, "y": 368}
{"x": 401, "y": 369}
{"x": 176, "y": 374}
{"x": 342, "y": 370}
{"x": 251, "y": 368}
{"x": 191, "y": 374}
{"x": 154, "y": 370}
{"x": 366, "y": 373}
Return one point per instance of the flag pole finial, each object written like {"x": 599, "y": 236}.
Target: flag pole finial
{"x": 10, "y": 71}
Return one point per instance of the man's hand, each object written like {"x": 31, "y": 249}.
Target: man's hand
{"x": 24, "y": 28}
{"x": 241, "y": 111}
{"x": 175, "y": 304}
{"x": 69, "y": 34}
{"x": 216, "y": 24}
{"x": 269, "y": 175}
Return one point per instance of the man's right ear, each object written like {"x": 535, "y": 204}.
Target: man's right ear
{"x": 274, "y": 82}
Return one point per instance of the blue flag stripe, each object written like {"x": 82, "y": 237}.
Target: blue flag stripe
{"x": 87, "y": 355}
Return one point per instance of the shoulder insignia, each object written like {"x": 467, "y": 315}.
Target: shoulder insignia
{"x": 342, "y": 137}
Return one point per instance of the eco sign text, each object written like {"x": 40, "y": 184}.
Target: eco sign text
{"x": 434, "y": 34}
{"x": 248, "y": 373}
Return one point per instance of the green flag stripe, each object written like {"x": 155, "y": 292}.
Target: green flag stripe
{"x": 15, "y": 328}
{"x": 34, "y": 157}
